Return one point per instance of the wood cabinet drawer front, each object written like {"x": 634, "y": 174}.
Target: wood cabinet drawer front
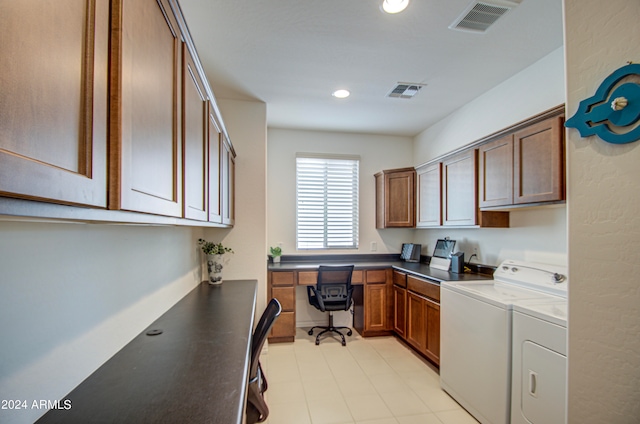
{"x": 286, "y": 296}
{"x": 357, "y": 277}
{"x": 282, "y": 278}
{"x": 285, "y": 325}
{"x": 423, "y": 287}
{"x": 376, "y": 276}
{"x": 307, "y": 278}
{"x": 399, "y": 278}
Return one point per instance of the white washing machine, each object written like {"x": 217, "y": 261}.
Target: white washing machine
{"x": 476, "y": 334}
{"x": 539, "y": 369}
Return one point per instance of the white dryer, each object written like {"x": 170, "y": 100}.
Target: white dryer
{"x": 539, "y": 370}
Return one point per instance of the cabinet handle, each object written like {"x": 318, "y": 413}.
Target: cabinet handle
{"x": 533, "y": 383}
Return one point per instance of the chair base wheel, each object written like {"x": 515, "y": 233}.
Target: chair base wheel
{"x": 310, "y": 332}
{"x": 317, "y": 342}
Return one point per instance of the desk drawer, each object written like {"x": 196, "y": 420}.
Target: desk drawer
{"x": 423, "y": 287}
{"x": 282, "y": 278}
{"x": 376, "y": 276}
{"x": 286, "y": 296}
{"x": 309, "y": 278}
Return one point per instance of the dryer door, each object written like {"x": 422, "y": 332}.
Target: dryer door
{"x": 543, "y": 384}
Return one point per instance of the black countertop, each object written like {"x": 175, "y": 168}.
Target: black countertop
{"x": 195, "y": 371}
{"x": 419, "y": 269}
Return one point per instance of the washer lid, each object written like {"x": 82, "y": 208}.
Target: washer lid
{"x": 504, "y": 295}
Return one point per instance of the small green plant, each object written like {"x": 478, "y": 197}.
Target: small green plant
{"x": 211, "y": 248}
{"x": 275, "y": 251}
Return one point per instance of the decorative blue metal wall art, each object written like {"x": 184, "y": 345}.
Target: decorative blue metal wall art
{"x": 620, "y": 108}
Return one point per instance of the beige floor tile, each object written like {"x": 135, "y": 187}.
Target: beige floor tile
{"x": 388, "y": 383}
{"x": 321, "y": 389}
{"x": 287, "y": 371}
{"x": 424, "y": 379}
{"x": 283, "y": 392}
{"x": 380, "y": 421}
{"x": 456, "y": 417}
{"x": 375, "y": 366}
{"x": 438, "y": 400}
{"x": 289, "y": 413}
{"x": 367, "y": 407}
{"x": 351, "y": 386}
{"x": 404, "y": 403}
{"x": 419, "y": 419}
{"x": 333, "y": 412}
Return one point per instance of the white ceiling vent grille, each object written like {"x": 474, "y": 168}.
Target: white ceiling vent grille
{"x": 405, "y": 90}
{"x": 480, "y": 15}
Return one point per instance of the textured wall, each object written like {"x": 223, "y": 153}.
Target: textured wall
{"x": 603, "y": 225}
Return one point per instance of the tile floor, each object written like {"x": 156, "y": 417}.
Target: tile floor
{"x": 370, "y": 381}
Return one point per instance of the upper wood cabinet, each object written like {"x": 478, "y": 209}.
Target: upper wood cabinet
{"x": 459, "y": 188}
{"x": 53, "y": 101}
{"x": 538, "y": 174}
{"x": 429, "y": 190}
{"x": 525, "y": 167}
{"x": 146, "y": 154}
{"x": 195, "y": 141}
{"x": 227, "y": 182}
{"x": 214, "y": 135}
{"x": 395, "y": 198}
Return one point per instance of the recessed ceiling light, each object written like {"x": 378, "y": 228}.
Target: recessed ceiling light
{"x": 341, "y": 94}
{"x": 394, "y": 6}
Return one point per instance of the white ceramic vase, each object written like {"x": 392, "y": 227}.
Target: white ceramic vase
{"x": 214, "y": 266}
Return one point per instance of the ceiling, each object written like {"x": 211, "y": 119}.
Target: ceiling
{"x": 292, "y": 54}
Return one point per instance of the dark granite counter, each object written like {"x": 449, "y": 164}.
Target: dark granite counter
{"x": 420, "y": 269}
{"x": 196, "y": 371}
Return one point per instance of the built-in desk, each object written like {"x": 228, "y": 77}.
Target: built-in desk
{"x": 373, "y": 295}
{"x": 196, "y": 371}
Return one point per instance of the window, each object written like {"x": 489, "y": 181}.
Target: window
{"x": 327, "y": 202}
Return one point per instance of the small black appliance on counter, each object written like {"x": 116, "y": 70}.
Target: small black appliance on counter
{"x": 457, "y": 262}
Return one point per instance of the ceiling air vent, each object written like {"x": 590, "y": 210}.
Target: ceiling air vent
{"x": 404, "y": 90}
{"x": 480, "y": 15}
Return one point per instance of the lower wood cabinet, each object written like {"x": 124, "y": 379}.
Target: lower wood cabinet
{"x": 400, "y": 310}
{"x": 417, "y": 315}
{"x": 377, "y": 302}
{"x": 282, "y": 286}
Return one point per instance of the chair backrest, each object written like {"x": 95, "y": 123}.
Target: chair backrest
{"x": 271, "y": 312}
{"x": 334, "y": 282}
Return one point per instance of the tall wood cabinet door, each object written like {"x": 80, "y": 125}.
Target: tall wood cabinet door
{"x": 416, "y": 321}
{"x": 459, "y": 188}
{"x": 399, "y": 310}
{"x": 53, "y": 100}
{"x": 395, "y": 198}
{"x": 195, "y": 143}
{"x": 496, "y": 172}
{"x": 227, "y": 183}
{"x": 539, "y": 162}
{"x": 429, "y": 190}
{"x": 214, "y": 134}
{"x": 432, "y": 340}
{"x": 146, "y": 45}
{"x": 376, "y": 307}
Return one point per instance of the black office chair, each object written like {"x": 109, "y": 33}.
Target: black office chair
{"x": 332, "y": 292}
{"x": 257, "y": 409}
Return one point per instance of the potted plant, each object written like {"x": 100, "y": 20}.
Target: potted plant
{"x": 276, "y": 252}
{"x": 215, "y": 254}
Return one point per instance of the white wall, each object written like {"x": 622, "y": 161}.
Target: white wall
{"x": 537, "y": 235}
{"x": 246, "y": 123}
{"x": 533, "y": 90}
{"x": 603, "y": 225}
{"x": 377, "y": 152}
{"x": 72, "y": 295}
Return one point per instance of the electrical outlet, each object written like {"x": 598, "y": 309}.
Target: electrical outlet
{"x": 374, "y": 246}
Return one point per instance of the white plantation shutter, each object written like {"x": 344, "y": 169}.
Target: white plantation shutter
{"x": 327, "y": 202}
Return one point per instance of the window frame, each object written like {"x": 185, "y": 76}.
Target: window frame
{"x": 331, "y": 238}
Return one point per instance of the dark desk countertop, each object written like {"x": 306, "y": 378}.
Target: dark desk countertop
{"x": 195, "y": 371}
{"x": 417, "y": 268}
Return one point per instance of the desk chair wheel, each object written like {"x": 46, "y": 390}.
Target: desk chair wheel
{"x": 317, "y": 342}
{"x": 349, "y": 333}
{"x": 310, "y": 332}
